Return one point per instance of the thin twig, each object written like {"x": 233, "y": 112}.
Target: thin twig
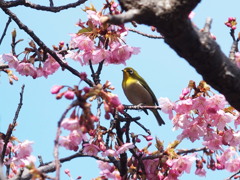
{"x": 191, "y": 150}
{"x": 146, "y": 35}
{"x": 51, "y": 3}
{"x": 56, "y": 142}
{"x": 207, "y": 25}
{"x": 232, "y": 176}
{"x": 137, "y": 107}
{"x": 5, "y": 29}
{"x": 12, "y": 126}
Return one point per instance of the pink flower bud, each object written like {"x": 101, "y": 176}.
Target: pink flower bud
{"x": 138, "y": 140}
{"x": 55, "y": 89}
{"x": 69, "y": 94}
{"x": 67, "y": 171}
{"x": 83, "y": 76}
{"x": 149, "y": 138}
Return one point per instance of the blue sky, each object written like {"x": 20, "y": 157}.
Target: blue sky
{"x": 166, "y": 73}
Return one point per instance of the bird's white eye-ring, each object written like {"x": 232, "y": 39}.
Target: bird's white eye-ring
{"x": 130, "y": 71}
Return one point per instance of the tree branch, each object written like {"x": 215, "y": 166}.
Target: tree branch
{"x": 197, "y": 47}
{"x": 12, "y": 126}
{"x": 9, "y": 4}
{"x": 5, "y": 29}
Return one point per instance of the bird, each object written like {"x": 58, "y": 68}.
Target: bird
{"x": 138, "y": 92}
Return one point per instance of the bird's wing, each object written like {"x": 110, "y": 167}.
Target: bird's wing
{"x": 145, "y": 85}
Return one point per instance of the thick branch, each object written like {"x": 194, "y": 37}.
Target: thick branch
{"x": 197, "y": 47}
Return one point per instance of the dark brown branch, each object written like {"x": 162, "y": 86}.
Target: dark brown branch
{"x": 232, "y": 176}
{"x": 5, "y": 30}
{"x": 4, "y": 66}
{"x": 180, "y": 152}
{"x": 146, "y": 35}
{"x": 51, "y": 166}
{"x": 42, "y": 45}
{"x": 197, "y": 47}
{"x": 9, "y": 4}
{"x": 12, "y": 126}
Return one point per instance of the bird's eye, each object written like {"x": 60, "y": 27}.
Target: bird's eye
{"x": 130, "y": 71}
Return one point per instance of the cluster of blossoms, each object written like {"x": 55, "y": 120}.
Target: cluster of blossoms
{"x": 201, "y": 116}
{"x": 47, "y": 65}
{"x": 81, "y": 126}
{"x": 20, "y": 155}
{"x": 97, "y": 41}
{"x": 231, "y": 23}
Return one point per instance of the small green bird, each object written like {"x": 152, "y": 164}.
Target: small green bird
{"x": 138, "y": 92}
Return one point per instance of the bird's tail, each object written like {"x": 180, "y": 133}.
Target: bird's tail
{"x": 158, "y": 117}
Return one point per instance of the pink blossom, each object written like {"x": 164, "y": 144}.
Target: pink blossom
{"x": 70, "y": 123}
{"x": 193, "y": 131}
{"x": 72, "y": 141}
{"x": 109, "y": 152}
{"x": 100, "y": 54}
{"x": 82, "y": 42}
{"x": 217, "y": 102}
{"x": 50, "y": 66}
{"x": 233, "y": 165}
{"x": 77, "y": 56}
{"x": 23, "y": 155}
{"x": 166, "y": 106}
{"x": 125, "y": 147}
{"x": 55, "y": 89}
{"x": 200, "y": 172}
{"x": 11, "y": 59}
{"x": 90, "y": 149}
{"x": 213, "y": 142}
{"x": 199, "y": 104}
{"x": 69, "y": 94}
{"x": 108, "y": 171}
{"x": 181, "y": 121}
{"x": 226, "y": 155}
{"x": 183, "y": 106}
{"x": 185, "y": 92}
{"x": 182, "y": 163}
{"x": 23, "y": 149}
{"x": 220, "y": 119}
{"x": 151, "y": 168}
{"x": 94, "y": 17}
{"x": 26, "y": 69}
{"x": 121, "y": 53}
{"x": 22, "y": 162}
{"x": 87, "y": 56}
